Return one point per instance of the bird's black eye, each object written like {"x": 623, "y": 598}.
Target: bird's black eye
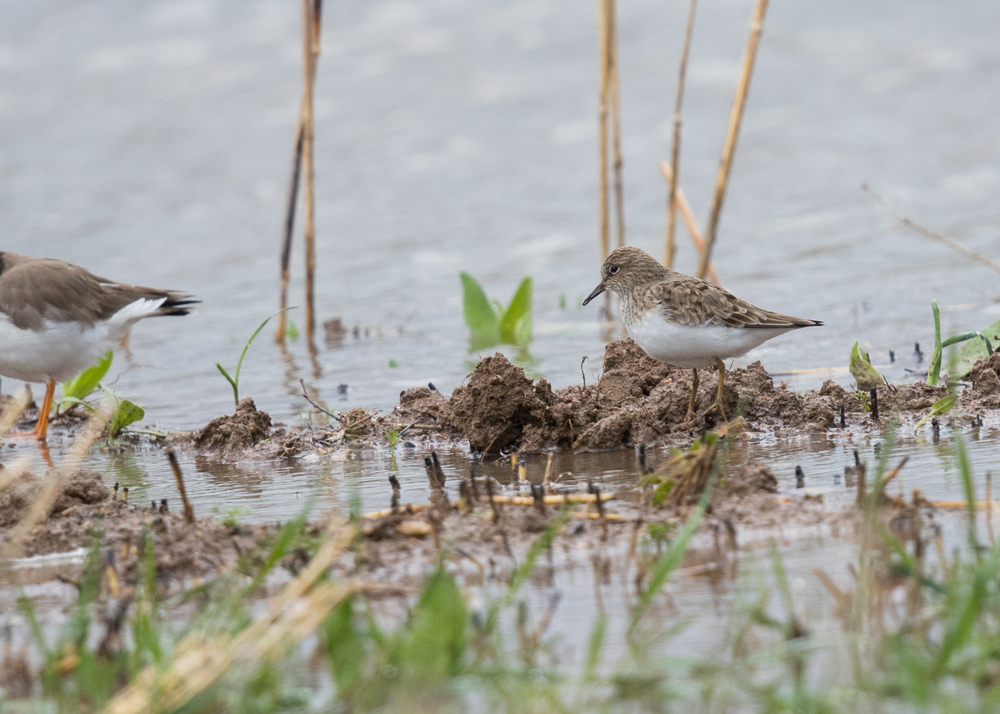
{"x": 612, "y": 270}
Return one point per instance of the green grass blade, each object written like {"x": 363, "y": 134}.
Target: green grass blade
{"x": 480, "y": 316}
{"x": 516, "y": 324}
{"x": 941, "y": 406}
{"x": 232, "y": 382}
{"x": 239, "y": 365}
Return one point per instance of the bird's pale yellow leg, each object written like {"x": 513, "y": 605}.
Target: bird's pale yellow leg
{"x": 42, "y": 425}
{"x": 694, "y": 395}
{"x": 722, "y": 379}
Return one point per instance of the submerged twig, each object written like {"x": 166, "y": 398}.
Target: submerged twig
{"x": 927, "y": 232}
{"x": 675, "y": 151}
{"x": 729, "y": 148}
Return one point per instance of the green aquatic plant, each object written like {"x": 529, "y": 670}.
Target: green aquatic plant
{"x": 234, "y": 381}
{"x": 122, "y": 412}
{"x": 76, "y": 390}
{"x": 968, "y": 354}
{"x": 489, "y": 322}
{"x": 864, "y": 373}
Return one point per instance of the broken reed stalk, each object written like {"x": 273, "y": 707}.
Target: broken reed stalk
{"x": 302, "y": 162}
{"x": 689, "y": 221}
{"x": 179, "y": 477}
{"x": 602, "y": 127}
{"x": 675, "y": 149}
{"x": 732, "y": 133}
{"x": 616, "y": 138}
{"x": 927, "y": 232}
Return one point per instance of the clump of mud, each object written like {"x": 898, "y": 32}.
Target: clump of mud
{"x": 985, "y": 378}
{"x": 493, "y": 410}
{"x": 236, "y": 432}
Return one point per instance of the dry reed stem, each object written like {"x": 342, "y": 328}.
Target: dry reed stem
{"x": 199, "y": 662}
{"x": 12, "y": 412}
{"x": 616, "y": 143}
{"x": 550, "y": 500}
{"x": 927, "y": 232}
{"x": 311, "y": 13}
{"x": 12, "y": 472}
{"x": 729, "y": 148}
{"x": 675, "y": 150}
{"x": 286, "y": 243}
{"x": 602, "y": 121}
{"x": 53, "y": 487}
{"x": 689, "y": 221}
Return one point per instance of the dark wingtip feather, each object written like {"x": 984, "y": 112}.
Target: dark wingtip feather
{"x": 178, "y": 304}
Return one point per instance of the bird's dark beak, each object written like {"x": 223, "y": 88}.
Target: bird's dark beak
{"x": 597, "y": 291}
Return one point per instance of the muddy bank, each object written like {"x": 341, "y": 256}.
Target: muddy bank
{"x": 637, "y": 400}
{"x": 87, "y": 508}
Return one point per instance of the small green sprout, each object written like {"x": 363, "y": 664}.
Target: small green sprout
{"x": 393, "y": 438}
{"x": 489, "y": 323}
{"x": 861, "y": 368}
{"x": 393, "y": 363}
{"x": 292, "y": 332}
{"x": 235, "y": 381}
{"x": 941, "y": 406}
{"x": 562, "y": 301}
{"x": 123, "y": 412}
{"x": 968, "y": 355}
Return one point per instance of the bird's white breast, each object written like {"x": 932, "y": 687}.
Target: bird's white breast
{"x": 694, "y": 346}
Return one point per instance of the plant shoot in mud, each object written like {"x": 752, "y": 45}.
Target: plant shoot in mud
{"x": 234, "y": 381}
{"x": 967, "y": 355}
{"x": 77, "y": 389}
{"x": 862, "y": 370}
{"x": 489, "y": 322}
{"x": 122, "y": 412}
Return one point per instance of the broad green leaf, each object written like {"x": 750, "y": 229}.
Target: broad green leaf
{"x": 515, "y": 327}
{"x": 435, "y": 639}
{"x": 941, "y": 406}
{"x": 865, "y": 375}
{"x": 974, "y": 350}
{"x": 123, "y": 412}
{"x": 480, "y": 317}
{"x": 84, "y": 383}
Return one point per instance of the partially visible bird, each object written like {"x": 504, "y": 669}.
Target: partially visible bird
{"x": 57, "y": 319}
{"x": 685, "y": 321}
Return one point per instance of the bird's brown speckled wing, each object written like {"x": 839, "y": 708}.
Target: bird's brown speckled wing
{"x": 689, "y": 301}
{"x": 33, "y": 290}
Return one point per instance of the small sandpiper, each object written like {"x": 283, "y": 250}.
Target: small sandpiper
{"x": 684, "y": 321}
{"x": 57, "y": 319}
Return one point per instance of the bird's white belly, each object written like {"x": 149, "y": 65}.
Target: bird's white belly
{"x": 695, "y": 346}
{"x": 59, "y": 351}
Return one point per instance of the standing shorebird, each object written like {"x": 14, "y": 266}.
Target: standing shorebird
{"x": 685, "y": 321}
{"x": 57, "y": 319}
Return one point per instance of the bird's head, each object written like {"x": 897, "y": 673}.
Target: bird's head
{"x": 625, "y": 269}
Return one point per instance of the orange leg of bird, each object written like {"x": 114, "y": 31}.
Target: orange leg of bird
{"x": 42, "y": 425}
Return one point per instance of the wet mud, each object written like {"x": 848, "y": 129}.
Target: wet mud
{"x": 86, "y": 509}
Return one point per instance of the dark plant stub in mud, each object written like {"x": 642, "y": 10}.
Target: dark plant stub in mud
{"x": 240, "y": 431}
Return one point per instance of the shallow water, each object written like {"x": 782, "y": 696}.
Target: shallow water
{"x": 151, "y": 143}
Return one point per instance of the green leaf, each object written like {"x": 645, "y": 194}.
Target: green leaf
{"x": 480, "y": 317}
{"x": 974, "y": 350}
{"x": 941, "y": 406}
{"x": 865, "y": 375}
{"x": 123, "y": 412}
{"x": 436, "y": 632}
{"x": 393, "y": 363}
{"x": 84, "y": 383}
{"x": 515, "y": 327}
